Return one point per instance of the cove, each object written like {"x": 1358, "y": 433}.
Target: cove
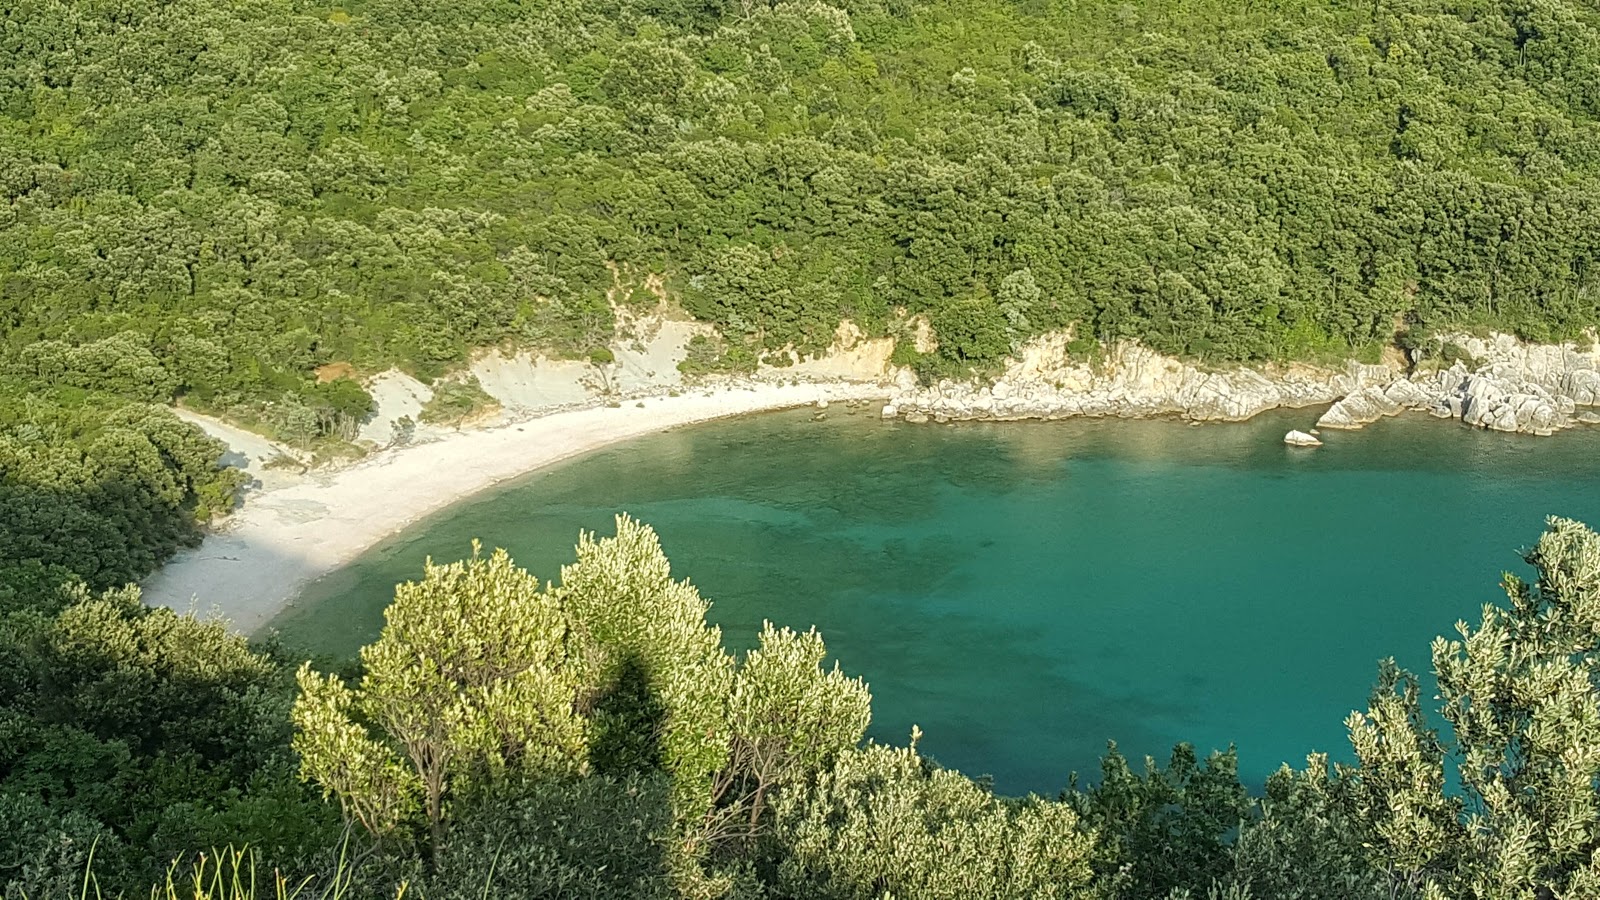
{"x": 1026, "y": 591}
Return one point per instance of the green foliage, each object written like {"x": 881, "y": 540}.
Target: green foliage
{"x": 652, "y": 641}
{"x": 884, "y": 822}
{"x": 474, "y": 674}
{"x": 972, "y": 330}
{"x": 593, "y": 838}
{"x": 1168, "y": 828}
{"x": 1223, "y": 181}
{"x": 592, "y": 738}
{"x": 788, "y": 719}
{"x": 706, "y": 355}
{"x": 1311, "y": 842}
{"x": 487, "y": 692}
{"x": 1518, "y": 693}
{"x": 139, "y": 733}
{"x": 456, "y": 401}
{"x": 105, "y": 492}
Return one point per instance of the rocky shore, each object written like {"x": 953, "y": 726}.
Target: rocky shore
{"x": 1509, "y": 386}
{"x": 1496, "y": 382}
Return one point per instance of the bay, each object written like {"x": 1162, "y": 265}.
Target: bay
{"x": 1025, "y": 592}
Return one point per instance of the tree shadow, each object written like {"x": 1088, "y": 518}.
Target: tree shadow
{"x": 603, "y": 834}
{"x": 594, "y": 836}
{"x": 628, "y": 718}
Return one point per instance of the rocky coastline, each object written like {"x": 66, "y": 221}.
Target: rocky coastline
{"x": 1496, "y": 382}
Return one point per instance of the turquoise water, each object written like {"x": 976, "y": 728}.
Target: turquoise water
{"x": 1025, "y": 592}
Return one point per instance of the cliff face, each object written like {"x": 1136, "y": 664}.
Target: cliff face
{"x": 1512, "y": 387}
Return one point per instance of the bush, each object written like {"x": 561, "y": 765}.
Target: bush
{"x": 454, "y": 402}
{"x": 593, "y": 838}
{"x": 715, "y": 356}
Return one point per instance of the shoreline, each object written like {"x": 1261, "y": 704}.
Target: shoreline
{"x": 288, "y": 532}
{"x": 281, "y": 539}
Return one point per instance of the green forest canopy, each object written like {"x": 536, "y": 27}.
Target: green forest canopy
{"x": 236, "y": 193}
{"x": 209, "y": 201}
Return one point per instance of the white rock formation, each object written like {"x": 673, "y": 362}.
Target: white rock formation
{"x": 852, "y": 357}
{"x": 1043, "y": 382}
{"x": 1536, "y": 389}
{"x": 525, "y": 382}
{"x": 650, "y": 358}
{"x": 1359, "y": 407}
{"x": 1301, "y": 439}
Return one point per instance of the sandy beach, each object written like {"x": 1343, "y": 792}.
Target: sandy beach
{"x": 284, "y": 537}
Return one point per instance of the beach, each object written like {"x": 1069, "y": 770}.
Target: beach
{"x": 283, "y": 537}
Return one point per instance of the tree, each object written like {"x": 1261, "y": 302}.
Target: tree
{"x": 660, "y": 673}
{"x": 1166, "y": 828}
{"x": 475, "y": 673}
{"x": 884, "y": 822}
{"x": 1311, "y": 842}
{"x": 669, "y": 697}
{"x": 788, "y": 719}
{"x": 1017, "y": 297}
{"x": 972, "y": 330}
{"x": 1519, "y": 694}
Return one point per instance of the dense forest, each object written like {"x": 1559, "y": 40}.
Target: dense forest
{"x": 214, "y": 203}
{"x": 590, "y": 737}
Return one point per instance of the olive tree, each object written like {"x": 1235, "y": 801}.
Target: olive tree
{"x": 884, "y": 822}
{"x": 661, "y": 675}
{"x": 474, "y": 673}
{"x": 1519, "y": 693}
{"x": 788, "y": 718}
{"x": 669, "y": 695}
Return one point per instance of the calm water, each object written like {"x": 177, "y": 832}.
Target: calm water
{"x": 1024, "y": 592}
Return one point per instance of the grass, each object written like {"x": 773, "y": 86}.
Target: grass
{"x": 230, "y": 874}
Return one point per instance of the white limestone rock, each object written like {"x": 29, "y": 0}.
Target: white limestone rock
{"x": 1301, "y": 439}
{"x": 1369, "y": 404}
{"x": 1514, "y": 386}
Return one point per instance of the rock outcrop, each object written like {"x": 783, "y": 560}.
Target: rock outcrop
{"x": 1044, "y": 382}
{"x": 1511, "y": 386}
{"x": 1301, "y": 439}
{"x": 1361, "y": 407}
{"x": 1531, "y": 388}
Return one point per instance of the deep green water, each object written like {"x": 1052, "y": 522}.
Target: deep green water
{"x": 1024, "y": 592}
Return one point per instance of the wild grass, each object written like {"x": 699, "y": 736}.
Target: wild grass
{"x": 230, "y": 873}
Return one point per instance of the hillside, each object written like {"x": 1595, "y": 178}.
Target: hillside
{"x": 211, "y": 201}
{"x": 249, "y": 207}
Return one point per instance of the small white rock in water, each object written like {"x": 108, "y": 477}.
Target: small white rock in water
{"x": 823, "y": 403}
{"x": 1301, "y": 439}
{"x": 890, "y": 411}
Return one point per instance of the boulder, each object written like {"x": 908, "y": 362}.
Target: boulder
{"x": 1369, "y": 404}
{"x": 1411, "y": 395}
{"x": 1301, "y": 439}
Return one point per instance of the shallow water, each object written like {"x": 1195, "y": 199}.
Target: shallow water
{"x": 1026, "y": 591}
